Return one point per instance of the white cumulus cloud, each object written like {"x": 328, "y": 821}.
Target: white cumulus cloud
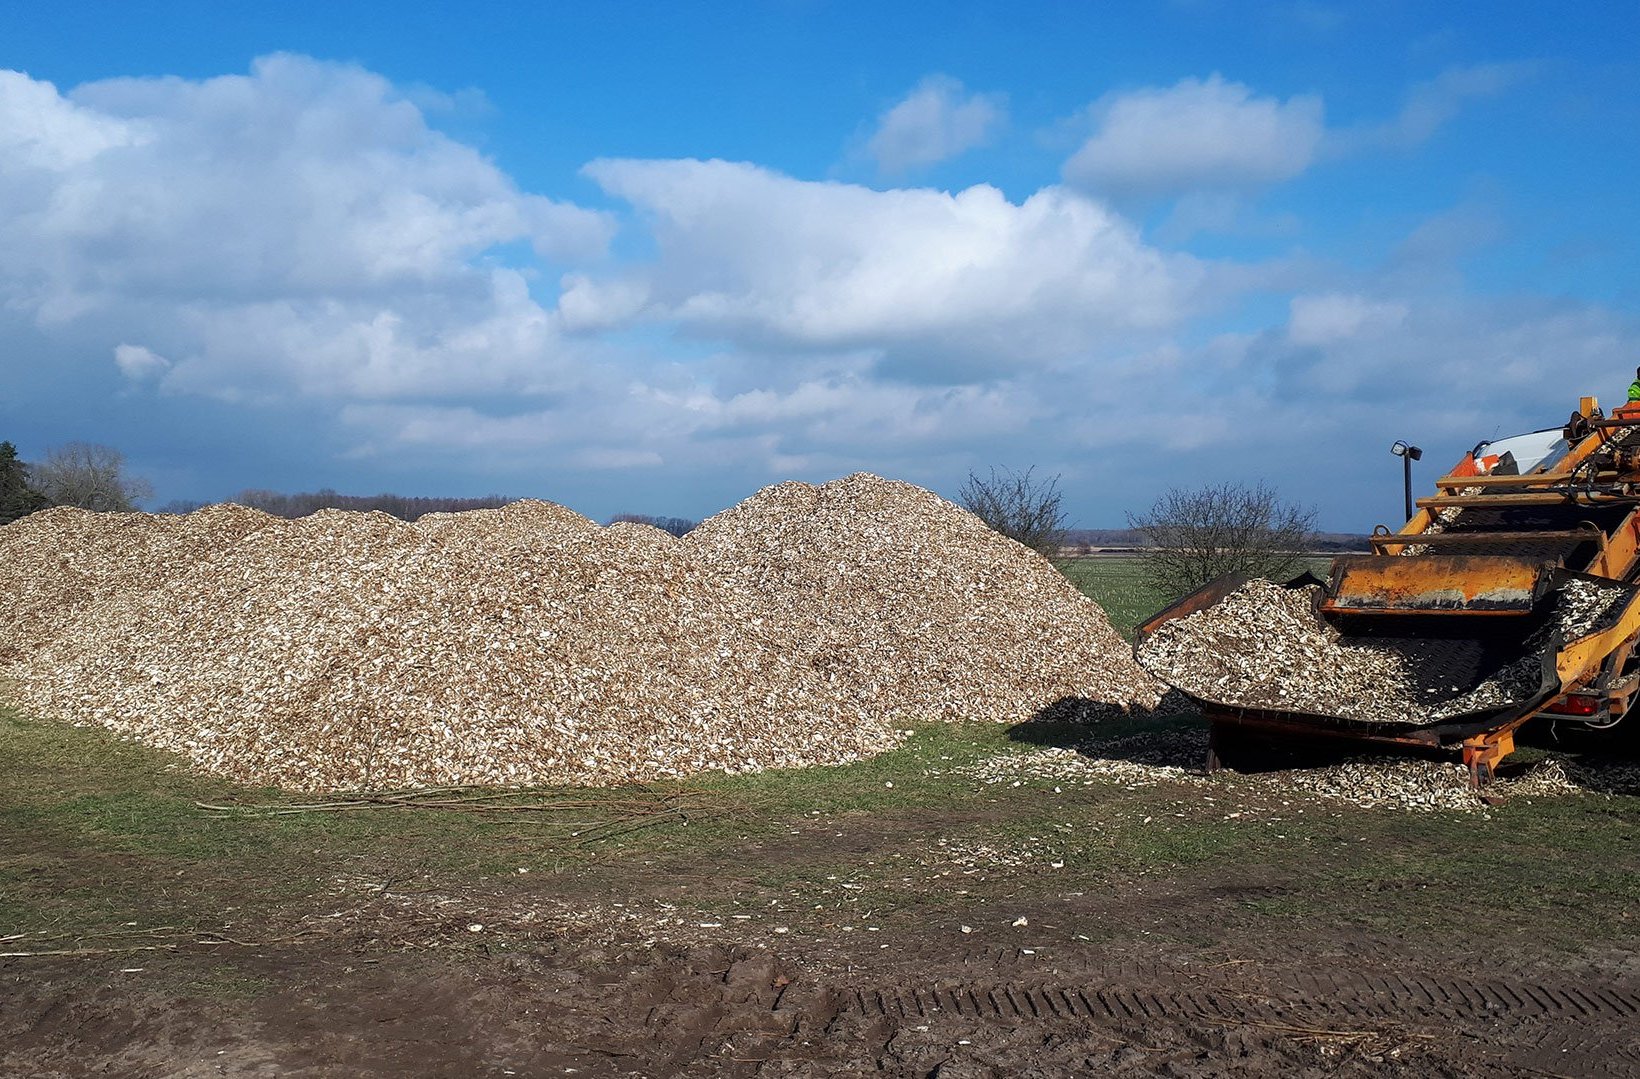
{"x": 938, "y": 120}
{"x": 298, "y": 227}
{"x": 820, "y": 423}
{"x": 40, "y": 129}
{"x": 1198, "y": 134}
{"x": 766, "y": 260}
{"x": 300, "y": 237}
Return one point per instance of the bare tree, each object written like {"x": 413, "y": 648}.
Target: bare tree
{"x": 89, "y": 476}
{"x": 1019, "y": 506}
{"x": 1197, "y": 536}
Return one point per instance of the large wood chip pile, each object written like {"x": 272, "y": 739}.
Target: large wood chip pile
{"x": 1265, "y": 647}
{"x": 527, "y": 645}
{"x": 58, "y": 563}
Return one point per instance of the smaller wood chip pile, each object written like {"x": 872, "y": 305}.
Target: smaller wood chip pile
{"x": 1263, "y": 646}
{"x": 527, "y": 645}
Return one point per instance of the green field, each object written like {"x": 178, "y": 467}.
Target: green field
{"x": 1118, "y": 584}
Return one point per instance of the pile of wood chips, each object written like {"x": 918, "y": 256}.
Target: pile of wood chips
{"x": 527, "y": 645}
{"x": 1265, "y": 647}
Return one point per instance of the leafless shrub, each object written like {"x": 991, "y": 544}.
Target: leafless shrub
{"x": 1019, "y": 506}
{"x": 1197, "y": 536}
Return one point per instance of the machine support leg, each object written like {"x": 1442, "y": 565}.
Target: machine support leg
{"x": 1215, "y": 762}
{"x": 1483, "y": 752}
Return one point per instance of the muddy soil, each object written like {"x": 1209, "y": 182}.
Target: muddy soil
{"x": 514, "y": 980}
{"x": 750, "y": 1011}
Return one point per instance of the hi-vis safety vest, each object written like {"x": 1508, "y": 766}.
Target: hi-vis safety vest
{"x": 1634, "y": 390}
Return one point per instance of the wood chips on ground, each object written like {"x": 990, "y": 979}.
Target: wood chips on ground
{"x": 527, "y": 645}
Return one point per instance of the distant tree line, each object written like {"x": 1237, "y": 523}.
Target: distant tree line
{"x": 403, "y": 507}
{"x": 93, "y": 477}
{"x": 677, "y": 526}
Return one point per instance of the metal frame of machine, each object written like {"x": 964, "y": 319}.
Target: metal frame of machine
{"x": 1479, "y": 558}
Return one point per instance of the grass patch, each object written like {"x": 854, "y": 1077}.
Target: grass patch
{"x": 101, "y": 832}
{"x": 105, "y": 830}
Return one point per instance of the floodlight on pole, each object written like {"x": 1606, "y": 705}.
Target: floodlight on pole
{"x": 1408, "y": 453}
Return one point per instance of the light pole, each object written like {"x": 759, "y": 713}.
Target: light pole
{"x": 1408, "y": 454}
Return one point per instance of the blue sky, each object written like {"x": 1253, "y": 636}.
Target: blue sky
{"x": 651, "y": 257}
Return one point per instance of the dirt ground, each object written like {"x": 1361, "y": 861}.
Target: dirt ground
{"x": 619, "y": 973}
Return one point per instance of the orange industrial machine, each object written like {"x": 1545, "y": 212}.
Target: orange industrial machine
{"x": 1468, "y": 588}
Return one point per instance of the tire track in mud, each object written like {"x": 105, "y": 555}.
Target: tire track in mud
{"x": 1537, "y": 1023}
{"x": 1361, "y": 997}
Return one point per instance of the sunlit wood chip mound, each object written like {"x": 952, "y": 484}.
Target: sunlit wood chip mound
{"x": 525, "y": 645}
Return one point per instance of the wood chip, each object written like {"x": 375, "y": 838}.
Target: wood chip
{"x": 527, "y": 645}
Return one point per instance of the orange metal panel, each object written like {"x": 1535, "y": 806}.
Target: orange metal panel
{"x": 1531, "y": 479}
{"x": 1578, "y": 660}
{"x": 1505, "y": 499}
{"x": 1434, "y": 584}
{"x": 1618, "y": 557}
